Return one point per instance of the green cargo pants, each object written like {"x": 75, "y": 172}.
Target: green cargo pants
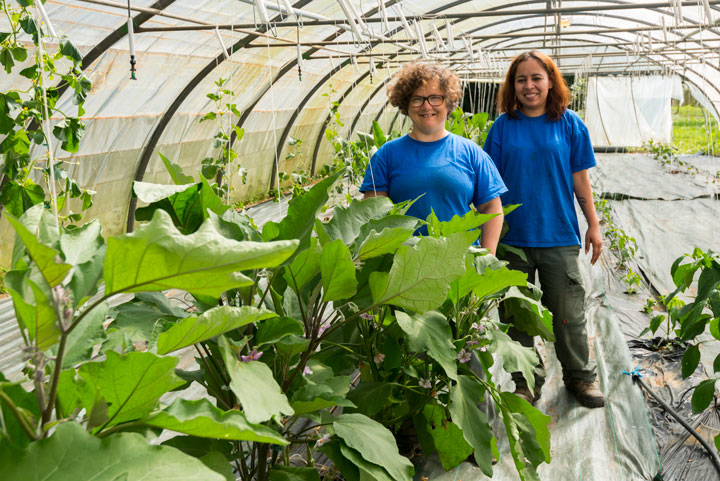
{"x": 564, "y": 296}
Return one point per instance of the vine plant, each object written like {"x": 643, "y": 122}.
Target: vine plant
{"x": 22, "y": 113}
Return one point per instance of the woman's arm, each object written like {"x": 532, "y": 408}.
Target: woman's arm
{"x": 583, "y": 193}
{"x": 492, "y": 228}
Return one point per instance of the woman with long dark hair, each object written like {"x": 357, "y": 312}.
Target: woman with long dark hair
{"x": 542, "y": 151}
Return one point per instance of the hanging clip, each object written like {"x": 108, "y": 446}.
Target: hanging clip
{"x": 634, "y": 373}
{"x": 131, "y": 40}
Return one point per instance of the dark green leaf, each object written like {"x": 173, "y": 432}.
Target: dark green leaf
{"x": 16, "y": 198}
{"x": 371, "y": 397}
{"x": 78, "y": 455}
{"x": 703, "y": 395}
{"x": 304, "y": 267}
{"x": 176, "y": 172}
{"x": 200, "y": 418}
{"x": 27, "y": 402}
{"x": 376, "y": 445}
{"x": 690, "y": 360}
{"x": 337, "y": 271}
{"x": 430, "y": 333}
{"x": 131, "y": 384}
{"x": 208, "y": 325}
{"x": 273, "y": 330}
{"x": 515, "y": 356}
{"x": 464, "y": 399}
{"x": 527, "y": 312}
{"x": 69, "y": 50}
{"x": 447, "y": 437}
{"x": 255, "y": 387}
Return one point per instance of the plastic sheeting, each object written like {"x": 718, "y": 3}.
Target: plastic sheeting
{"x": 629, "y": 111}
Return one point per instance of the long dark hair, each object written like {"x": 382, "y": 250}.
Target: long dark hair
{"x": 558, "y": 97}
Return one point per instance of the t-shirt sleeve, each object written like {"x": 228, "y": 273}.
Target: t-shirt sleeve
{"x": 581, "y": 154}
{"x": 488, "y": 183}
{"x": 376, "y": 175}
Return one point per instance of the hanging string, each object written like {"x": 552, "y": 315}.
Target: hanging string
{"x": 299, "y": 53}
{"x": 274, "y": 129}
{"x": 46, "y": 123}
{"x": 131, "y": 40}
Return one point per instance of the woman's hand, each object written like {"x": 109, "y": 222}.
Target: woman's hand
{"x": 593, "y": 238}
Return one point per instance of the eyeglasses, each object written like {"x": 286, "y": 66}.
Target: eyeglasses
{"x": 433, "y": 100}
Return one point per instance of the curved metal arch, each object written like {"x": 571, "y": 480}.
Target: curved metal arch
{"x": 679, "y": 70}
{"x": 167, "y": 116}
{"x": 365, "y": 104}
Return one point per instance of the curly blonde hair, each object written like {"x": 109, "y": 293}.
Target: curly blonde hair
{"x": 414, "y": 75}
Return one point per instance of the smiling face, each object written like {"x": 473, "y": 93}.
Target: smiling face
{"x": 532, "y": 84}
{"x": 428, "y": 121}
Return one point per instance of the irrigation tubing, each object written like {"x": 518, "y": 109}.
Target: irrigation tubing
{"x": 713, "y": 455}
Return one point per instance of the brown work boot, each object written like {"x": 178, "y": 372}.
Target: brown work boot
{"x": 524, "y": 392}
{"x": 587, "y": 393}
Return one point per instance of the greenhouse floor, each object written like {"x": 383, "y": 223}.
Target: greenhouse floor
{"x": 669, "y": 211}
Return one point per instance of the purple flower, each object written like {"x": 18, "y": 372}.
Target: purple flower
{"x": 367, "y": 316}
{"x": 471, "y": 343}
{"x": 464, "y": 356}
{"x": 323, "y": 328}
{"x": 425, "y": 383}
{"x": 483, "y": 348}
{"x": 307, "y": 371}
{"x": 253, "y": 356}
{"x": 322, "y": 440}
{"x": 478, "y": 327}
{"x": 379, "y": 357}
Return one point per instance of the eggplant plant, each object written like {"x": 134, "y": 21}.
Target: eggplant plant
{"x": 305, "y": 334}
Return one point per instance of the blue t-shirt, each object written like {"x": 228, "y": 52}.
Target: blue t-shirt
{"x": 536, "y": 159}
{"x": 449, "y": 174}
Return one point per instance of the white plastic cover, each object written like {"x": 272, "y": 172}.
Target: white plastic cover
{"x": 629, "y": 111}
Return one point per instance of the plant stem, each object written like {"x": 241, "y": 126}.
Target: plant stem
{"x": 21, "y": 419}
{"x": 262, "y": 474}
{"x": 47, "y": 411}
{"x": 218, "y": 385}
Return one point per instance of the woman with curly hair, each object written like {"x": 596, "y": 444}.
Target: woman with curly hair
{"x": 542, "y": 150}
{"x": 443, "y": 171}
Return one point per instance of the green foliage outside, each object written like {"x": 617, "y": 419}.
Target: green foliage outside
{"x": 695, "y": 131}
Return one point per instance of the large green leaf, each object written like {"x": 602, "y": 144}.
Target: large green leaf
{"x": 302, "y": 211}
{"x": 367, "y": 471}
{"x": 347, "y": 222}
{"x": 533, "y": 427}
{"x": 469, "y": 221}
{"x": 81, "y": 244}
{"x": 337, "y": 271}
{"x": 187, "y": 205}
{"x": 131, "y": 384}
{"x": 255, "y": 387}
{"x": 376, "y": 444}
{"x": 333, "y": 451}
{"x": 420, "y": 277}
{"x": 158, "y": 257}
{"x": 430, "y": 332}
{"x": 322, "y": 393}
{"x": 385, "y": 242}
{"x": 87, "y": 277}
{"x": 528, "y": 435}
{"x": 40, "y": 319}
{"x": 464, "y": 399}
{"x": 703, "y": 395}
{"x": 175, "y": 171}
{"x": 447, "y": 437}
{"x": 304, "y": 267}
{"x": 371, "y": 397}
{"x": 17, "y": 198}
{"x": 46, "y": 258}
{"x": 690, "y": 360}
{"x": 392, "y": 221}
{"x": 214, "y": 322}
{"x": 277, "y": 328}
{"x": 71, "y": 454}
{"x": 490, "y": 281}
{"x": 515, "y": 356}
{"x": 200, "y": 418}
{"x": 527, "y": 312}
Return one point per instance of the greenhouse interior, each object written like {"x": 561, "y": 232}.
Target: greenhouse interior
{"x": 197, "y": 283}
